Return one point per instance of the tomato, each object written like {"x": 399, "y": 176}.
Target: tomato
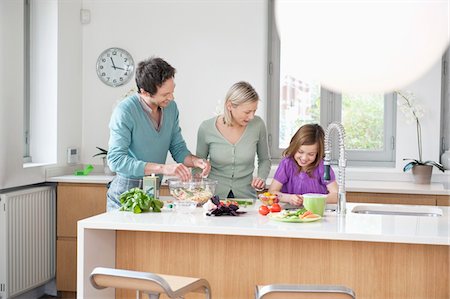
{"x": 275, "y": 208}
{"x": 264, "y": 210}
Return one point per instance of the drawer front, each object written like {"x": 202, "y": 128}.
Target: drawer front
{"x": 66, "y": 265}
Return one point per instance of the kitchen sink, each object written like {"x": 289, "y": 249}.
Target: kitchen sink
{"x": 428, "y": 211}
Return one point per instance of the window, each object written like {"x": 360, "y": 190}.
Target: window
{"x": 445, "y": 129}
{"x": 26, "y": 106}
{"x": 369, "y": 119}
{"x": 40, "y": 77}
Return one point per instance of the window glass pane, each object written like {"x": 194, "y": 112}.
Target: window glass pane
{"x": 363, "y": 119}
{"x": 299, "y": 104}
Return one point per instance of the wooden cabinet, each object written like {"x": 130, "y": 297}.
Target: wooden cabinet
{"x": 399, "y": 198}
{"x": 164, "y": 190}
{"x": 443, "y": 200}
{"x": 74, "y": 202}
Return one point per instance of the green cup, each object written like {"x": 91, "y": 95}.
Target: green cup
{"x": 315, "y": 202}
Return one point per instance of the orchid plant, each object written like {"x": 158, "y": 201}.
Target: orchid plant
{"x": 413, "y": 112}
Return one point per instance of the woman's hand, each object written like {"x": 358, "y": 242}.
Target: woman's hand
{"x": 202, "y": 164}
{"x": 258, "y": 184}
{"x": 178, "y": 170}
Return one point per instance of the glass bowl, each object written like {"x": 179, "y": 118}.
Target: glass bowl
{"x": 268, "y": 198}
{"x": 198, "y": 190}
{"x": 185, "y": 206}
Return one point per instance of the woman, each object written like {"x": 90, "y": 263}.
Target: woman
{"x": 231, "y": 140}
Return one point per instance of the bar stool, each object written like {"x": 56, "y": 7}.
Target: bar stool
{"x": 292, "y": 291}
{"x": 148, "y": 283}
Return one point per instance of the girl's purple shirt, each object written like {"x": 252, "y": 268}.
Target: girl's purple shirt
{"x": 295, "y": 182}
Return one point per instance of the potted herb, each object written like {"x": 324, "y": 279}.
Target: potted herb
{"x": 421, "y": 170}
{"x": 103, "y": 153}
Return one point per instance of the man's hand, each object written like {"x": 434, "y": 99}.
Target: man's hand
{"x": 178, "y": 170}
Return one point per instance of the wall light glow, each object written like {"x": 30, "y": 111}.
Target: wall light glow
{"x": 362, "y": 46}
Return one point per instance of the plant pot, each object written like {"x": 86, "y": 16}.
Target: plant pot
{"x": 422, "y": 174}
{"x": 106, "y": 169}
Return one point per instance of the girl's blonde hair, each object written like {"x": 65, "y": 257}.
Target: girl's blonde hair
{"x": 240, "y": 93}
{"x": 308, "y": 134}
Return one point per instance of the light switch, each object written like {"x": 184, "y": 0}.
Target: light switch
{"x": 85, "y": 16}
{"x": 72, "y": 155}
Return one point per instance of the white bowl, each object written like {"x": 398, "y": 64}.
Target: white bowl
{"x": 185, "y": 206}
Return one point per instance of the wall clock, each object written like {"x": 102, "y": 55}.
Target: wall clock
{"x": 115, "y": 67}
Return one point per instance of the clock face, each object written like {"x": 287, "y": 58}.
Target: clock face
{"x": 115, "y": 67}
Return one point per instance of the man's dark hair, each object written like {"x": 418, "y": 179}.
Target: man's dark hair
{"x": 152, "y": 73}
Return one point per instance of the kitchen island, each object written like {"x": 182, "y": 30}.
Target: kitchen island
{"x": 378, "y": 256}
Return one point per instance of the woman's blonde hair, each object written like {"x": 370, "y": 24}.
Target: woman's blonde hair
{"x": 308, "y": 134}
{"x": 240, "y": 93}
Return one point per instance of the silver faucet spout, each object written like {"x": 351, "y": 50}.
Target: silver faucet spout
{"x": 341, "y": 209}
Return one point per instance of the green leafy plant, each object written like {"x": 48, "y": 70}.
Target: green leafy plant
{"x": 135, "y": 200}
{"x": 102, "y": 152}
{"x": 413, "y": 112}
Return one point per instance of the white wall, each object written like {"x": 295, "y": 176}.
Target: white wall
{"x": 211, "y": 43}
{"x": 68, "y": 122}
{"x": 12, "y": 172}
{"x": 428, "y": 93}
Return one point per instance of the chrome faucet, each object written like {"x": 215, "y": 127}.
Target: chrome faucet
{"x": 342, "y": 163}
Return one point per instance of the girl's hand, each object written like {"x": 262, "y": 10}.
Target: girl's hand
{"x": 258, "y": 184}
{"x": 294, "y": 199}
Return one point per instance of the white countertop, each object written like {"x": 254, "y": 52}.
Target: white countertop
{"x": 350, "y": 185}
{"x": 92, "y": 178}
{"x": 351, "y": 227}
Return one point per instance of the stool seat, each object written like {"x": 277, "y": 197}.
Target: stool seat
{"x": 150, "y": 283}
{"x": 292, "y": 291}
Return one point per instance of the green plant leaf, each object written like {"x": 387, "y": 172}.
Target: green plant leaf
{"x": 102, "y": 152}
{"x": 410, "y": 165}
{"x": 436, "y": 164}
{"x": 414, "y": 160}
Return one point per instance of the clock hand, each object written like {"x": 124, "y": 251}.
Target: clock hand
{"x": 114, "y": 66}
{"x": 119, "y": 68}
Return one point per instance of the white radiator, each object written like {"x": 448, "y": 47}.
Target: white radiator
{"x": 27, "y": 239}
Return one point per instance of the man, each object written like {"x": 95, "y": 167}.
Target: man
{"x": 144, "y": 127}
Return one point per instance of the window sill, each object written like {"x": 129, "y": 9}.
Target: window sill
{"x": 31, "y": 164}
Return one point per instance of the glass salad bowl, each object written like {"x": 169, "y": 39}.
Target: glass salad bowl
{"x": 268, "y": 198}
{"x": 198, "y": 190}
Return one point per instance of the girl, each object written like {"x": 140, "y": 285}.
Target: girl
{"x": 231, "y": 142}
{"x": 301, "y": 170}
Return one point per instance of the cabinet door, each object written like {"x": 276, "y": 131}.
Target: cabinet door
{"x": 76, "y": 202}
{"x": 66, "y": 265}
{"x": 443, "y": 200}
{"x": 164, "y": 190}
{"x": 392, "y": 198}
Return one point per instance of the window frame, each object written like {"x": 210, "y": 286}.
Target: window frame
{"x": 330, "y": 110}
{"x": 27, "y": 81}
